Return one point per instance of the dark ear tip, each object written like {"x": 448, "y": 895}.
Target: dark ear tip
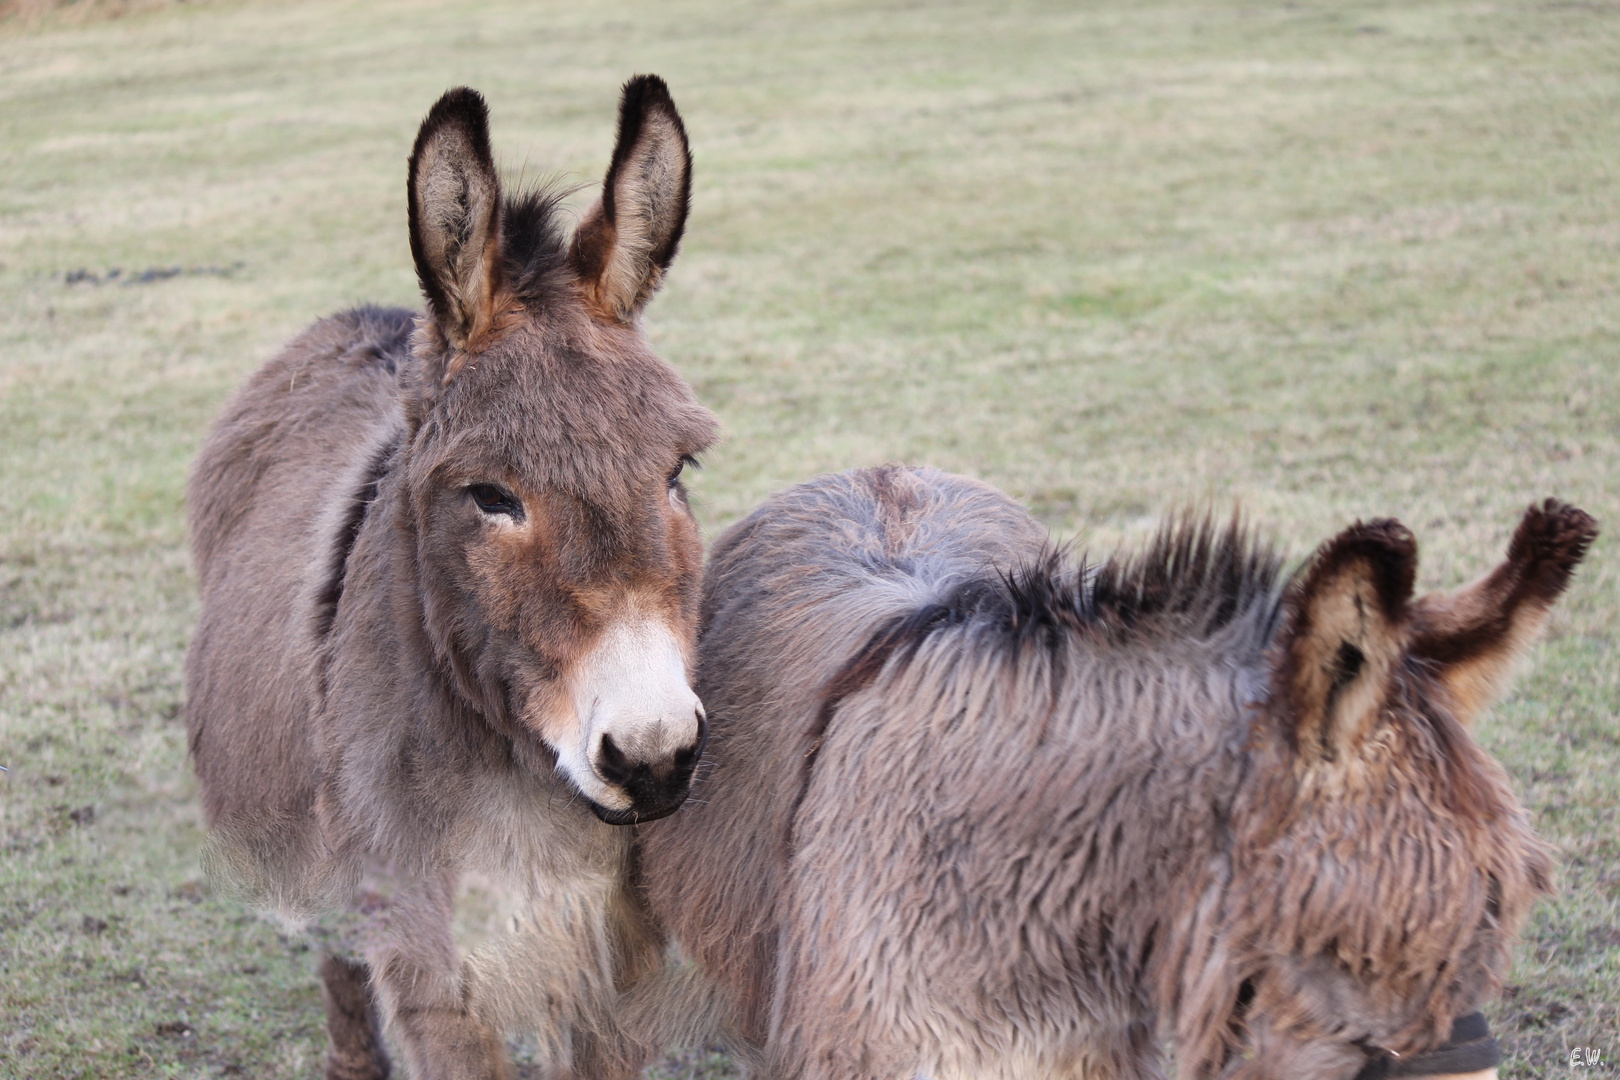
{"x": 647, "y": 90}
{"x": 1554, "y": 533}
{"x": 458, "y": 103}
{"x": 645, "y": 94}
{"x": 463, "y": 96}
{"x": 461, "y": 107}
{"x": 1386, "y": 547}
{"x": 1385, "y": 537}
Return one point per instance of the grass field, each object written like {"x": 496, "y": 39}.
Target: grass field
{"x": 1326, "y": 260}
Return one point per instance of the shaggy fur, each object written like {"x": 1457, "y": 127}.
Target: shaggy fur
{"x": 429, "y": 548}
{"x": 1049, "y": 817}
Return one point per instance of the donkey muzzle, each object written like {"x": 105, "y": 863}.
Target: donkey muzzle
{"x": 1471, "y": 1049}
{"x": 655, "y": 788}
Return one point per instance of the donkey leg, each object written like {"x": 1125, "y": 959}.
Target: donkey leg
{"x": 420, "y": 989}
{"x": 356, "y": 1051}
{"x": 596, "y": 1058}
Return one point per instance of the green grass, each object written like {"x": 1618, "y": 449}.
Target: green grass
{"x": 1326, "y": 260}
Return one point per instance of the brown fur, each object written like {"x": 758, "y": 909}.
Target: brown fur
{"x": 1049, "y": 815}
{"x": 1476, "y": 635}
{"x": 423, "y": 543}
{"x": 648, "y": 191}
{"x": 357, "y": 1052}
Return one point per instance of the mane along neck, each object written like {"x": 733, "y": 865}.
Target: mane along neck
{"x": 1198, "y": 596}
{"x": 1097, "y": 718}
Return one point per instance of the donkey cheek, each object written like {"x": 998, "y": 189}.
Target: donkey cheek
{"x": 550, "y": 715}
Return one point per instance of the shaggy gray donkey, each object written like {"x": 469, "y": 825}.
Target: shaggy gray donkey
{"x": 978, "y": 810}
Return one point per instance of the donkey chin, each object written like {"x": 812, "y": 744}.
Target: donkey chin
{"x": 638, "y": 730}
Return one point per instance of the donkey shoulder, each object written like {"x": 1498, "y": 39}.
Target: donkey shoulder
{"x": 271, "y": 499}
{"x": 903, "y": 535}
{"x": 788, "y": 601}
{"x": 301, "y": 418}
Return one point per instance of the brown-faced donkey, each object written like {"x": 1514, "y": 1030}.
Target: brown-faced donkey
{"x": 450, "y": 587}
{"x": 977, "y": 810}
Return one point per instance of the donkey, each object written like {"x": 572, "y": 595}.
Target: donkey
{"x": 974, "y": 809}
{"x": 450, "y": 586}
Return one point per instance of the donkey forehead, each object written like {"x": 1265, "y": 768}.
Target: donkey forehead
{"x": 580, "y": 414}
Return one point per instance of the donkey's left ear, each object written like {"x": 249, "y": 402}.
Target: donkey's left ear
{"x": 1345, "y": 635}
{"x": 629, "y": 238}
{"x": 1472, "y": 639}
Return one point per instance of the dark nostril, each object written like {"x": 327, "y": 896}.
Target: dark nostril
{"x": 611, "y": 764}
{"x": 684, "y": 760}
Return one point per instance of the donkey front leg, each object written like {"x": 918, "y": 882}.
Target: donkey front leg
{"x": 417, "y": 973}
{"x": 555, "y": 974}
{"x": 356, "y": 1051}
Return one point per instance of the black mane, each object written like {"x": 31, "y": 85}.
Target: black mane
{"x": 1192, "y": 580}
{"x": 534, "y": 243}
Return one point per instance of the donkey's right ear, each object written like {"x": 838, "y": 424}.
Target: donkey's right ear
{"x": 628, "y": 239}
{"x": 455, "y": 212}
{"x": 1346, "y": 632}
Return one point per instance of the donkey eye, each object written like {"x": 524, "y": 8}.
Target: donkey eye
{"x": 680, "y": 466}
{"x": 492, "y": 500}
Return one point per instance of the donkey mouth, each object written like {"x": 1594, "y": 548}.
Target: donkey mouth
{"x": 636, "y": 814}
{"x": 651, "y": 797}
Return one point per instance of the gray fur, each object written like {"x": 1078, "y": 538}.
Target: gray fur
{"x": 975, "y": 810}
{"x": 379, "y": 685}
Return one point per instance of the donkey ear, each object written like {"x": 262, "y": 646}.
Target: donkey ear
{"x": 628, "y": 239}
{"x": 1345, "y": 635}
{"x": 1474, "y": 637}
{"x": 455, "y": 210}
